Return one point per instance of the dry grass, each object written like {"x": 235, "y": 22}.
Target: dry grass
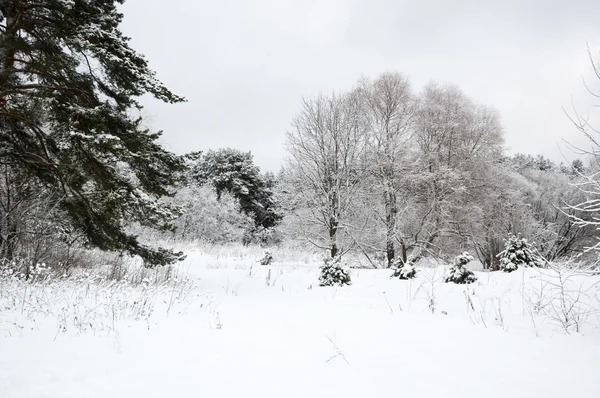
{"x": 99, "y": 300}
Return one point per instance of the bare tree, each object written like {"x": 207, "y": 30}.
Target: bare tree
{"x": 390, "y": 109}
{"x": 420, "y": 165}
{"x": 459, "y": 142}
{"x": 586, "y": 212}
{"x": 327, "y": 162}
{"x": 452, "y": 130}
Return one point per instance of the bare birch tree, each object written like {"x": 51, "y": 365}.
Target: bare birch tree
{"x": 390, "y": 109}
{"x": 324, "y": 171}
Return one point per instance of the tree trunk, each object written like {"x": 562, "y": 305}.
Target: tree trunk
{"x": 333, "y": 228}
{"x": 9, "y": 227}
{"x": 8, "y": 57}
{"x": 404, "y": 252}
{"x": 6, "y": 76}
{"x": 334, "y": 211}
{"x": 390, "y": 250}
{"x": 391, "y": 211}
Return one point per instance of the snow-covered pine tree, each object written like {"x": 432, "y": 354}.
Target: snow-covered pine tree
{"x": 267, "y": 258}
{"x": 69, "y": 82}
{"x": 231, "y": 170}
{"x": 403, "y": 270}
{"x": 459, "y": 273}
{"x": 334, "y": 272}
{"x": 517, "y": 252}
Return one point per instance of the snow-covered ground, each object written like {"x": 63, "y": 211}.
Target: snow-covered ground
{"x": 235, "y": 328}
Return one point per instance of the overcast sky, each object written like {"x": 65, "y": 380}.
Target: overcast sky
{"x": 244, "y": 66}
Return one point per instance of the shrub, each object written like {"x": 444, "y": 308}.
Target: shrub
{"x": 267, "y": 258}
{"x": 517, "y": 252}
{"x": 261, "y": 236}
{"x": 333, "y": 272}
{"x": 206, "y": 217}
{"x": 459, "y": 273}
{"x": 404, "y": 270}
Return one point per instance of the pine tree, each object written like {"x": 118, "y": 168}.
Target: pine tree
{"x": 333, "y": 272}
{"x": 517, "y": 252}
{"x": 69, "y": 82}
{"x": 234, "y": 171}
{"x": 404, "y": 270}
{"x": 459, "y": 273}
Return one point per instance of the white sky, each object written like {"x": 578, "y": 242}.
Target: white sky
{"x": 244, "y": 66}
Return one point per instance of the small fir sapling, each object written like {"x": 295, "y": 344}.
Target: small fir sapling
{"x": 404, "y": 270}
{"x": 334, "y": 272}
{"x": 267, "y": 258}
{"x": 459, "y": 273}
{"x": 517, "y": 252}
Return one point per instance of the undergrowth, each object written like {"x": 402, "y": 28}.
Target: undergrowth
{"x": 100, "y": 300}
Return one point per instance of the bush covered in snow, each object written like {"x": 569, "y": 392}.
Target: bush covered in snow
{"x": 267, "y": 258}
{"x": 459, "y": 273}
{"x": 517, "y": 252}
{"x": 260, "y": 235}
{"x": 205, "y": 217}
{"x": 404, "y": 270}
{"x": 334, "y": 272}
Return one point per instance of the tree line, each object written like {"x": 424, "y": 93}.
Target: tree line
{"x": 382, "y": 168}
{"x": 378, "y": 169}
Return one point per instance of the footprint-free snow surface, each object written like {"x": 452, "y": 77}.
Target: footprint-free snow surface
{"x": 235, "y": 328}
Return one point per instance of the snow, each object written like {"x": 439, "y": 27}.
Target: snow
{"x": 247, "y": 330}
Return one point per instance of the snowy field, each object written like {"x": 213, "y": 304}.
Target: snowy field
{"x": 229, "y": 327}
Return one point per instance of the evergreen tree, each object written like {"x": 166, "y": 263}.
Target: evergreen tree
{"x": 404, "y": 270}
{"x": 333, "y": 272}
{"x": 234, "y": 171}
{"x": 544, "y": 164}
{"x": 69, "y": 82}
{"x": 459, "y": 273}
{"x": 517, "y": 252}
{"x": 577, "y": 167}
